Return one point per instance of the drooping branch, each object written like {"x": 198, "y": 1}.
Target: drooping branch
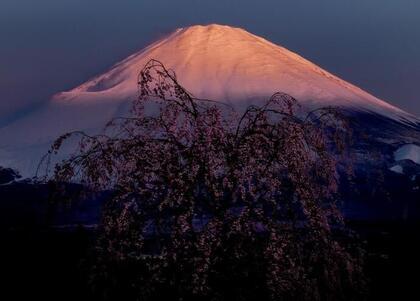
{"x": 204, "y": 186}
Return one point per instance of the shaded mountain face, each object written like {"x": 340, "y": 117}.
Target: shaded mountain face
{"x": 213, "y": 62}
{"x": 8, "y": 175}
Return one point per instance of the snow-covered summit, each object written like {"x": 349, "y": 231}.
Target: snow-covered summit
{"x": 230, "y": 64}
{"x": 214, "y": 62}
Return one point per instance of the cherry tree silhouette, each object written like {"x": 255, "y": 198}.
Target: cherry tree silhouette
{"x": 212, "y": 203}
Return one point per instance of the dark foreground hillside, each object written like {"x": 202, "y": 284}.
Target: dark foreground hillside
{"x": 48, "y": 262}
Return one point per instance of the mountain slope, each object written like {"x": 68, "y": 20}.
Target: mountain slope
{"x": 215, "y": 62}
{"x": 230, "y": 64}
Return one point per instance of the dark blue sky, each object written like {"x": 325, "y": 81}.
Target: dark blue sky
{"x": 48, "y": 45}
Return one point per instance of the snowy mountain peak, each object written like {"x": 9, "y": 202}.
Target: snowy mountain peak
{"x": 230, "y": 64}
{"x": 214, "y": 62}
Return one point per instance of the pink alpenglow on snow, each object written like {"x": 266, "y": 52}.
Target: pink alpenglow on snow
{"x": 213, "y": 62}
{"x": 230, "y": 64}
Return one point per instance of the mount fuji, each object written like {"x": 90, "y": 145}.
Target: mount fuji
{"x": 213, "y": 62}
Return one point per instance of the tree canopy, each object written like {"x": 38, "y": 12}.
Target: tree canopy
{"x": 209, "y": 202}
